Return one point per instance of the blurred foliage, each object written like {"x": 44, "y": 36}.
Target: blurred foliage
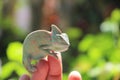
{"x": 94, "y": 34}
{"x": 14, "y": 54}
{"x": 99, "y": 54}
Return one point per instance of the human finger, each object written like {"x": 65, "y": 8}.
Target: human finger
{"x": 24, "y": 77}
{"x": 55, "y": 68}
{"x": 74, "y": 75}
{"x": 42, "y": 71}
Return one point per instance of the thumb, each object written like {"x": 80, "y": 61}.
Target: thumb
{"x": 74, "y": 75}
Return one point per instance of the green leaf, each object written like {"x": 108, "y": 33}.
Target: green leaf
{"x": 14, "y": 51}
{"x": 115, "y": 56}
{"x": 74, "y": 33}
{"x": 115, "y": 15}
{"x": 86, "y": 43}
{"x": 94, "y": 53}
{"x": 82, "y": 64}
{"x": 7, "y": 70}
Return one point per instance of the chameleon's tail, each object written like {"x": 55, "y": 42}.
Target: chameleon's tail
{"x": 27, "y": 63}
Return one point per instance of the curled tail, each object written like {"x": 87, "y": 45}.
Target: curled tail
{"x": 27, "y": 63}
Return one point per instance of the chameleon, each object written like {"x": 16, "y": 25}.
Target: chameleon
{"x": 41, "y": 43}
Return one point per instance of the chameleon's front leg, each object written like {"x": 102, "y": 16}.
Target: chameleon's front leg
{"x": 53, "y": 53}
{"x": 27, "y": 62}
{"x": 48, "y": 50}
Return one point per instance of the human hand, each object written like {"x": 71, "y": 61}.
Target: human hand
{"x": 50, "y": 69}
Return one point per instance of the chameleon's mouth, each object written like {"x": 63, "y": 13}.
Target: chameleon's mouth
{"x": 62, "y": 49}
{"x": 65, "y": 49}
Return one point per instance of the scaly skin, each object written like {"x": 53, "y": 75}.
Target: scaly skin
{"x": 41, "y": 43}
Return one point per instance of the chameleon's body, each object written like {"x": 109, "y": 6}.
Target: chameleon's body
{"x": 41, "y": 43}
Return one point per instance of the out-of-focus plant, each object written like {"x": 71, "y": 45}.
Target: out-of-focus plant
{"x": 14, "y": 65}
{"x": 0, "y": 10}
{"x": 112, "y": 25}
{"x": 99, "y": 53}
{"x": 99, "y": 57}
{"x": 74, "y": 34}
{"x": 65, "y": 76}
{"x": 15, "y": 17}
{"x": 0, "y": 66}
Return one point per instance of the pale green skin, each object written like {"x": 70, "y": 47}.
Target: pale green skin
{"x": 41, "y": 43}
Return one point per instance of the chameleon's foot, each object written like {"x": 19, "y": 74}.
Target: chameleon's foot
{"x": 32, "y": 69}
{"x": 53, "y": 54}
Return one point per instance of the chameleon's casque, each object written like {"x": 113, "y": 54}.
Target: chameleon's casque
{"x": 38, "y": 44}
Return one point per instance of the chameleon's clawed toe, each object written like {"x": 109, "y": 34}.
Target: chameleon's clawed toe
{"x": 54, "y": 54}
{"x": 33, "y": 69}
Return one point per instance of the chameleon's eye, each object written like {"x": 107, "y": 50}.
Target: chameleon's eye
{"x": 58, "y": 36}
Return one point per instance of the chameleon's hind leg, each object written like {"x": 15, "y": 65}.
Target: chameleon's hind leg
{"x": 27, "y": 62}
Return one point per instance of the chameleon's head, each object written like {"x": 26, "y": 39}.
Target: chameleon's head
{"x": 60, "y": 41}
